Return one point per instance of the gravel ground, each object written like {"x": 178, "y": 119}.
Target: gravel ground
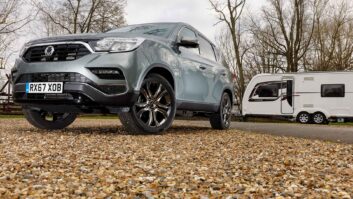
{"x": 97, "y": 159}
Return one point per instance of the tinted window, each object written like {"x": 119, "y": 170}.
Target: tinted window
{"x": 187, "y": 33}
{"x": 206, "y": 49}
{"x": 332, "y": 90}
{"x": 162, "y": 30}
{"x": 267, "y": 91}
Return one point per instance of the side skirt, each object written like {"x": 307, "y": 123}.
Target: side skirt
{"x": 193, "y": 106}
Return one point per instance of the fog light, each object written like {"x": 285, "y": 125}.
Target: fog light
{"x": 108, "y": 73}
{"x": 112, "y": 89}
{"x": 104, "y": 71}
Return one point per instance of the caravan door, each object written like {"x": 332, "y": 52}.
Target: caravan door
{"x": 287, "y": 97}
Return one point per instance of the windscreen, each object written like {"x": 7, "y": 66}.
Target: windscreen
{"x": 161, "y": 30}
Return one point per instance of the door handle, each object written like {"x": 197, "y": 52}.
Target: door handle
{"x": 202, "y": 67}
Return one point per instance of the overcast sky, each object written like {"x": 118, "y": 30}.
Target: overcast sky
{"x": 197, "y": 13}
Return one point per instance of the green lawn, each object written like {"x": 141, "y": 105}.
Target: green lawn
{"x": 11, "y": 116}
{"x": 341, "y": 124}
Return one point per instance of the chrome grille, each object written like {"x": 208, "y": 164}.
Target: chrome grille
{"x": 62, "y": 52}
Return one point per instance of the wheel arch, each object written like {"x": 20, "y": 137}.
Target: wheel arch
{"x": 302, "y": 111}
{"x": 321, "y": 113}
{"x": 231, "y": 95}
{"x": 160, "y": 69}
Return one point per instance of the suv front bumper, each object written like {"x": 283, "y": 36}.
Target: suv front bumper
{"x": 83, "y": 90}
{"x": 74, "y": 93}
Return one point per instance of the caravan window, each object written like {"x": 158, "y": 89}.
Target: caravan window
{"x": 332, "y": 90}
{"x": 267, "y": 91}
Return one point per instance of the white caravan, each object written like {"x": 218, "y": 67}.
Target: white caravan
{"x": 307, "y": 97}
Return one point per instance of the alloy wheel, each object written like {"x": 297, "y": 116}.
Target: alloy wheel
{"x": 304, "y": 118}
{"x": 318, "y": 118}
{"x": 154, "y": 103}
{"x": 226, "y": 110}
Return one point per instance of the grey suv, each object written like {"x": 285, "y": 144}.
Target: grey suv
{"x": 143, "y": 73}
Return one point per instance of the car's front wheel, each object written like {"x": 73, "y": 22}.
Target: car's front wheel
{"x": 49, "y": 121}
{"x": 221, "y": 120}
{"x": 155, "y": 108}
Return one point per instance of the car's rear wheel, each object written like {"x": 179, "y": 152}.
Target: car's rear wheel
{"x": 222, "y": 119}
{"x": 49, "y": 121}
{"x": 155, "y": 108}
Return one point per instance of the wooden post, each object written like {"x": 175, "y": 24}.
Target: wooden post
{"x": 3, "y": 87}
{"x": 8, "y": 92}
{"x": 2, "y": 65}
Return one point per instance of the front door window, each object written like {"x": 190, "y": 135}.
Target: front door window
{"x": 266, "y": 91}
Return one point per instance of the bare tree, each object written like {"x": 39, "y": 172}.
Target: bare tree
{"x": 229, "y": 12}
{"x": 332, "y": 47}
{"x": 110, "y": 14}
{"x": 261, "y": 57}
{"x": 254, "y": 57}
{"x": 289, "y": 35}
{"x": 287, "y": 28}
{"x": 80, "y": 16}
{"x": 11, "y": 21}
{"x": 229, "y": 59}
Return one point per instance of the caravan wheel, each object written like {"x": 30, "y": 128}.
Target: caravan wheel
{"x": 319, "y": 118}
{"x": 303, "y": 118}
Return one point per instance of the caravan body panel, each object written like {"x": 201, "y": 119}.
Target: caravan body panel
{"x": 274, "y": 94}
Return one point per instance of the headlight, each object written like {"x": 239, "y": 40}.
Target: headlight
{"x": 113, "y": 44}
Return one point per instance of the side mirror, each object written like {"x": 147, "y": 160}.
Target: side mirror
{"x": 188, "y": 42}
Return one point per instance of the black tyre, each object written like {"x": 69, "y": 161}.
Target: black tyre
{"x": 222, "y": 119}
{"x": 319, "y": 118}
{"x": 155, "y": 108}
{"x": 49, "y": 121}
{"x": 303, "y": 118}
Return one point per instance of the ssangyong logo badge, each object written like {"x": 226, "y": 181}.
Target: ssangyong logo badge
{"x": 49, "y": 51}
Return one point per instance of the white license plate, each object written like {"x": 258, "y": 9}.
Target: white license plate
{"x": 44, "y": 87}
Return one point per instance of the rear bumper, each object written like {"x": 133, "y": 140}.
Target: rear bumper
{"x": 75, "y": 94}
